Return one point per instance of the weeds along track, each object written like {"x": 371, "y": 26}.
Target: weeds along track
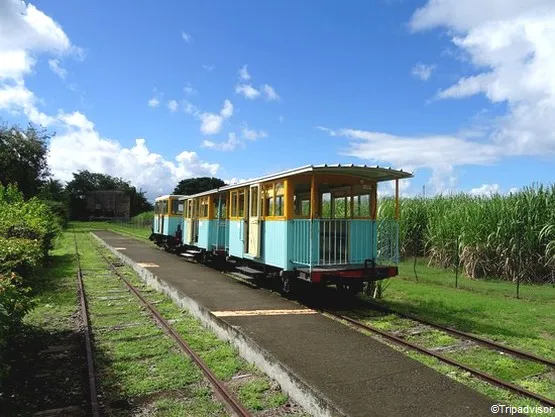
{"x": 527, "y": 375}
{"x": 93, "y": 394}
{"x": 522, "y": 373}
{"x": 153, "y": 358}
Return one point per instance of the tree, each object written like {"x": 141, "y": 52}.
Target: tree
{"x": 86, "y": 181}
{"x": 23, "y": 158}
{"x": 191, "y": 186}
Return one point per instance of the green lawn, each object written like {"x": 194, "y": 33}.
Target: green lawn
{"x": 485, "y": 308}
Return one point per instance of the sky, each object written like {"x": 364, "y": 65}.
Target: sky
{"x": 462, "y": 93}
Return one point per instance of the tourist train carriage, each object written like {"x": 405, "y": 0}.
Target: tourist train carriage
{"x": 316, "y": 223}
{"x": 168, "y": 215}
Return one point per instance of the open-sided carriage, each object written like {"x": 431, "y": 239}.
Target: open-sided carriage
{"x": 316, "y": 223}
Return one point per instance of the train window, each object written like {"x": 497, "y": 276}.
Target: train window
{"x": 278, "y": 210}
{"x": 241, "y": 203}
{"x": 164, "y": 207}
{"x": 326, "y": 205}
{"x": 219, "y": 208}
{"x": 233, "y": 199}
{"x": 176, "y": 207}
{"x": 362, "y": 205}
{"x": 254, "y": 201}
{"x": 204, "y": 207}
{"x": 301, "y": 200}
{"x": 156, "y": 208}
{"x": 189, "y": 209}
{"x": 339, "y": 207}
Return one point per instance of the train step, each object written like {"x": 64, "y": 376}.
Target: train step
{"x": 242, "y": 276}
{"x": 187, "y": 255}
{"x": 248, "y": 270}
{"x": 194, "y": 251}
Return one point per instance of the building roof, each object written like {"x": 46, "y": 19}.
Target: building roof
{"x": 165, "y": 197}
{"x": 374, "y": 173}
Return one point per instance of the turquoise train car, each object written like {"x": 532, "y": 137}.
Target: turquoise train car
{"x": 168, "y": 215}
{"x": 316, "y": 223}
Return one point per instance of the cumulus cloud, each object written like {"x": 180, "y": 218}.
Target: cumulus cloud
{"x": 244, "y": 73}
{"x": 26, "y": 32}
{"x": 510, "y": 43}
{"x": 253, "y": 134}
{"x": 247, "y": 91}
{"x": 189, "y": 90}
{"x": 485, "y": 190}
{"x": 440, "y": 153}
{"x": 186, "y": 37}
{"x": 153, "y": 102}
{"x": 211, "y": 123}
{"x": 422, "y": 71}
{"x": 80, "y": 147}
{"x": 230, "y": 144}
{"x": 270, "y": 92}
{"x": 57, "y": 69}
{"x": 172, "y": 106}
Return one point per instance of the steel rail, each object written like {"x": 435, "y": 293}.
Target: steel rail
{"x": 95, "y": 407}
{"x": 477, "y": 339}
{"x": 227, "y": 397}
{"x": 482, "y": 375}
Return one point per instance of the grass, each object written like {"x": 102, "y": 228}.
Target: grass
{"x": 131, "y": 356}
{"x": 42, "y": 378}
{"x": 484, "y": 307}
{"x": 138, "y": 364}
{"x": 477, "y": 307}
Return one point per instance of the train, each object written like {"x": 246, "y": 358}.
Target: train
{"x": 315, "y": 224}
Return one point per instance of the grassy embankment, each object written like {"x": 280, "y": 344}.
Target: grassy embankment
{"x": 140, "y": 361}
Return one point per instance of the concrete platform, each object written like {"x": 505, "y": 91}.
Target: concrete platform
{"x": 324, "y": 365}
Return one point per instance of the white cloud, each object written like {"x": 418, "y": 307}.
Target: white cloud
{"x": 438, "y": 153}
{"x": 54, "y": 65}
{"x": 186, "y": 37}
{"x": 211, "y": 123}
{"x": 172, "y": 105}
{"x": 270, "y": 92}
{"x": 485, "y": 190}
{"x": 253, "y": 134}
{"x": 422, "y": 71}
{"x": 153, "y": 102}
{"x": 191, "y": 109}
{"x": 80, "y": 147}
{"x": 247, "y": 90}
{"x": 244, "y": 73}
{"x": 512, "y": 46}
{"x": 26, "y": 32}
{"x": 208, "y": 68}
{"x": 230, "y": 144}
{"x": 189, "y": 90}
{"x": 227, "y": 110}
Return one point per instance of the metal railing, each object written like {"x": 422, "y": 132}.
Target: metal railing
{"x": 388, "y": 242}
{"x": 333, "y": 242}
{"x": 321, "y": 242}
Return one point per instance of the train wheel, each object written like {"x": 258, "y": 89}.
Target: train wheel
{"x": 287, "y": 284}
{"x": 355, "y": 288}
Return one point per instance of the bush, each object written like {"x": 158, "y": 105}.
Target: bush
{"x": 27, "y": 232}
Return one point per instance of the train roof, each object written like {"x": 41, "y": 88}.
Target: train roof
{"x": 165, "y": 197}
{"x": 374, "y": 173}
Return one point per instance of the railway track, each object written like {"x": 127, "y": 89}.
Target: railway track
{"x": 233, "y": 406}
{"x": 443, "y": 358}
{"x": 477, "y": 339}
{"x": 93, "y": 393}
{"x": 475, "y": 372}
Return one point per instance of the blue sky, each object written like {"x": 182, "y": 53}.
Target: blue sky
{"x": 245, "y": 88}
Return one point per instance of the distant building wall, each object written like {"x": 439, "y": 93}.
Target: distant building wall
{"x": 108, "y": 204}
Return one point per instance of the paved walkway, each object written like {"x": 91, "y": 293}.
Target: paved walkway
{"x": 360, "y": 375}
